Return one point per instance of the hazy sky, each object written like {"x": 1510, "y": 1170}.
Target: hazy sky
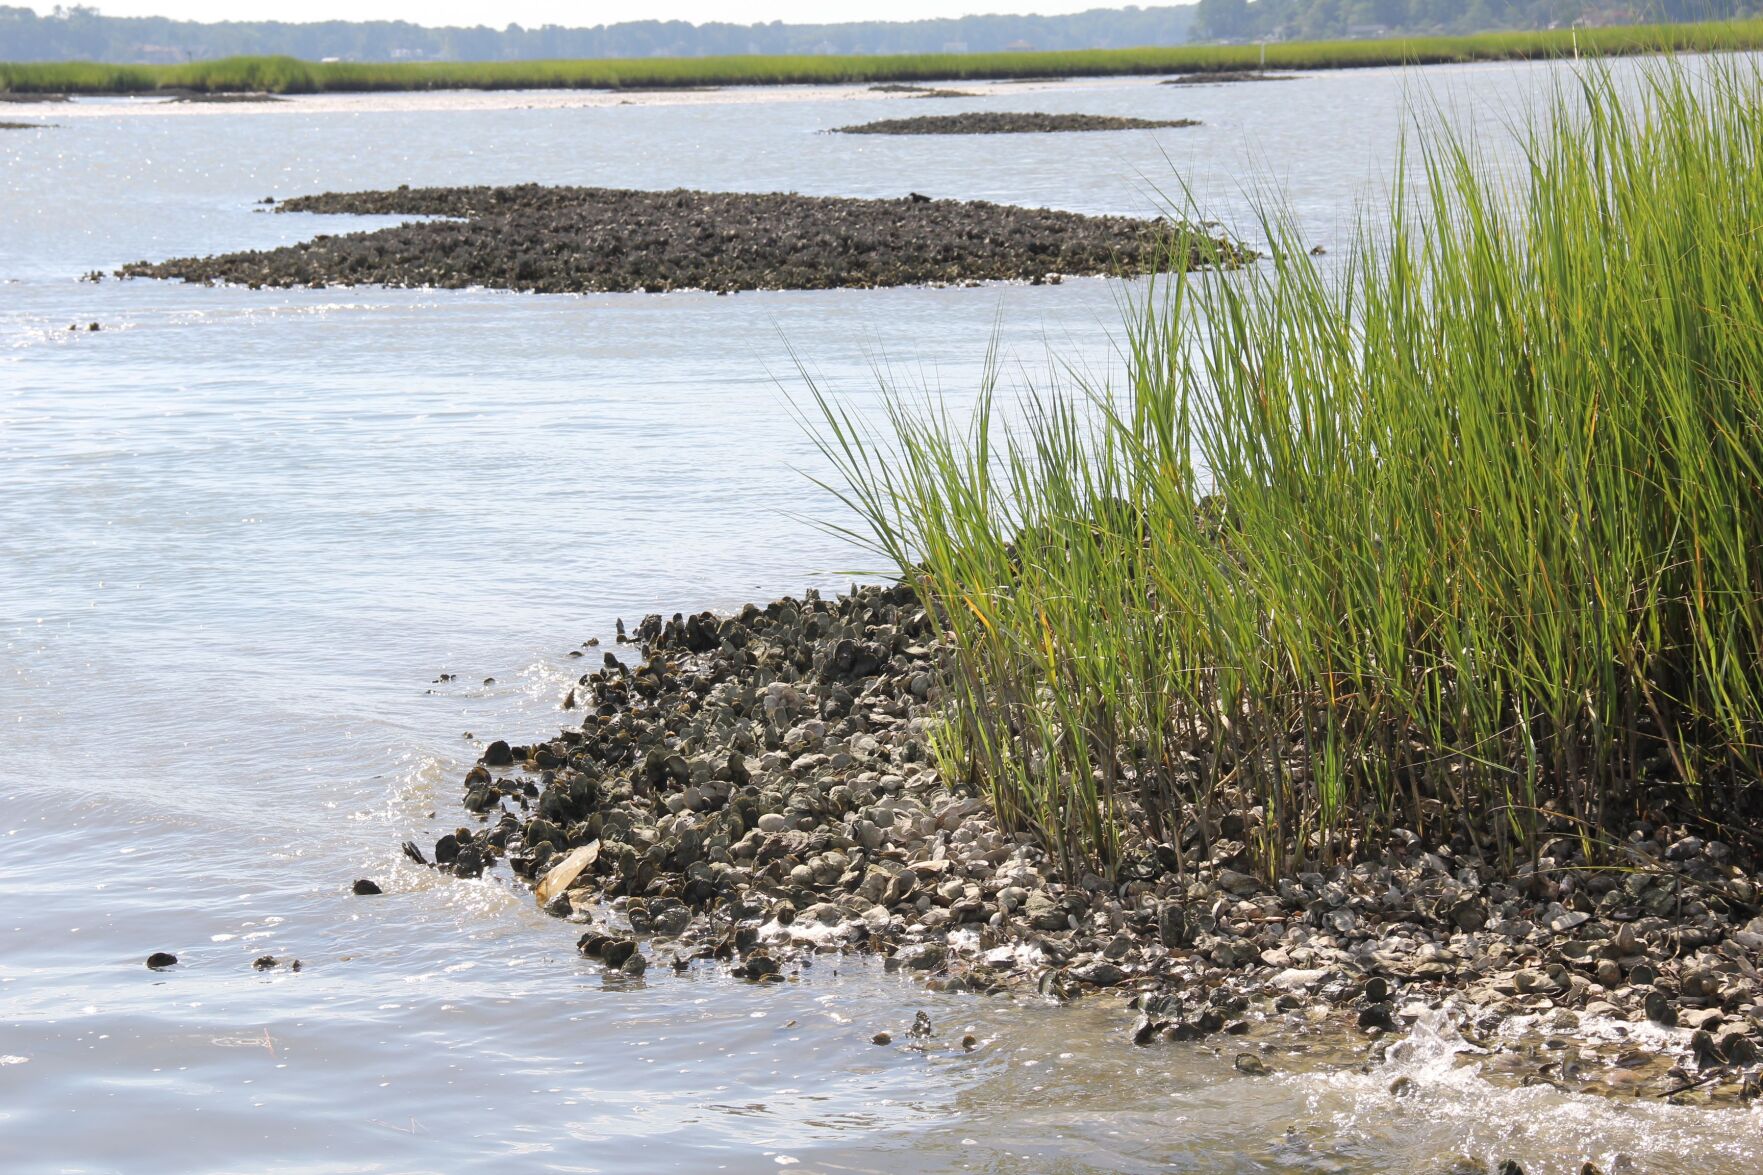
{"x": 497, "y": 13}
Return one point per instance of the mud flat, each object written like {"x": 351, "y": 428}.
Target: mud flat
{"x": 921, "y": 91}
{"x": 1223, "y": 77}
{"x": 573, "y": 240}
{"x": 1003, "y": 123}
{"x": 227, "y": 99}
{"x": 762, "y": 789}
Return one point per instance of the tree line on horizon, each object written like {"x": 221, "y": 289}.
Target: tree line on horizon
{"x": 82, "y": 33}
{"x": 1315, "y": 20}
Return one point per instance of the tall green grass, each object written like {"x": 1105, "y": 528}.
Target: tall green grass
{"x": 1458, "y": 533}
{"x": 290, "y": 76}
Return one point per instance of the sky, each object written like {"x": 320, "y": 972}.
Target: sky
{"x": 497, "y": 13}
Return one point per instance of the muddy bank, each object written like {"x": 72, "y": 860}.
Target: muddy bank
{"x": 1002, "y": 123}
{"x": 921, "y": 91}
{"x": 1224, "y": 77}
{"x": 227, "y": 99}
{"x": 762, "y": 790}
{"x": 8, "y": 96}
{"x": 573, "y": 240}
{"x": 25, "y": 126}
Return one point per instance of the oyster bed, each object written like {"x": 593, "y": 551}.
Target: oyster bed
{"x": 576, "y": 240}
{"x": 761, "y": 790}
{"x": 1227, "y": 76}
{"x": 1007, "y": 123}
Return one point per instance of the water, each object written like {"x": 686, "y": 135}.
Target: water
{"x": 242, "y": 533}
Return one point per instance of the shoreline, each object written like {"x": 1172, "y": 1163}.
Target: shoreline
{"x": 282, "y": 74}
{"x": 163, "y": 103}
{"x": 761, "y": 789}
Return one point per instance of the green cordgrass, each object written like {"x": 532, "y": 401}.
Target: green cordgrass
{"x": 286, "y": 75}
{"x": 1460, "y": 535}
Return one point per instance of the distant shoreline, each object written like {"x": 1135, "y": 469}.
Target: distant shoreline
{"x": 287, "y": 75}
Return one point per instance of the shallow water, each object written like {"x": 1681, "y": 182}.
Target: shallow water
{"x": 242, "y": 533}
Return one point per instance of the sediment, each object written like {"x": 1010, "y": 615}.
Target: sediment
{"x": 574, "y": 240}
{"x": 761, "y": 790}
{"x": 227, "y": 98}
{"x": 1007, "y": 123}
{"x": 921, "y": 91}
{"x": 1223, "y": 77}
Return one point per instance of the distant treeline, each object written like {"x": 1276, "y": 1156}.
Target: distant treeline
{"x": 84, "y": 34}
{"x": 1241, "y": 20}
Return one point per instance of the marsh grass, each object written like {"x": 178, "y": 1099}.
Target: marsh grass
{"x": 1457, "y": 534}
{"x": 287, "y": 75}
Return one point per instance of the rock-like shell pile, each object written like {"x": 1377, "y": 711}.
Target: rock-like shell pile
{"x": 761, "y": 789}
{"x": 574, "y": 240}
{"x": 1001, "y": 122}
